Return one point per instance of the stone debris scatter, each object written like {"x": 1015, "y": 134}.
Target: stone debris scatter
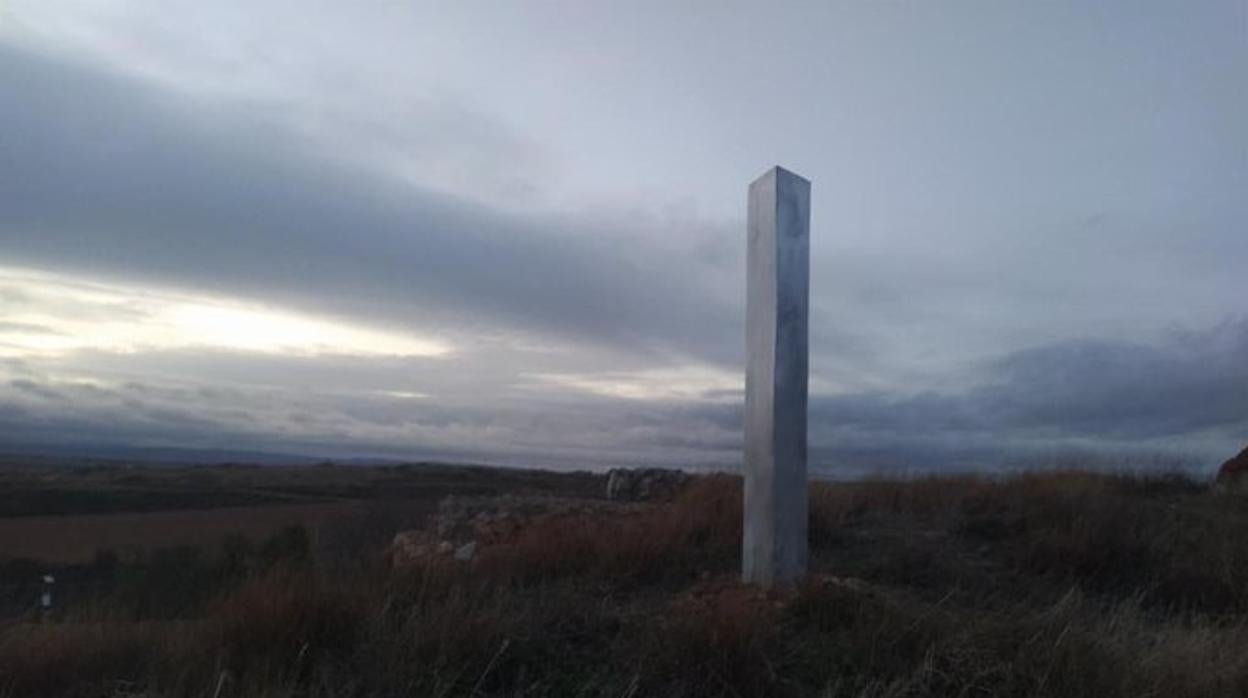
{"x": 462, "y": 526}
{"x": 643, "y": 484}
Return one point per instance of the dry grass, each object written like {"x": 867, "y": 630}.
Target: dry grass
{"x": 1062, "y": 584}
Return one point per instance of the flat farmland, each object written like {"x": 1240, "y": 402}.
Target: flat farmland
{"x": 73, "y": 539}
{"x": 63, "y": 513}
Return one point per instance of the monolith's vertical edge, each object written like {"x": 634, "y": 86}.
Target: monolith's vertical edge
{"x": 777, "y": 310}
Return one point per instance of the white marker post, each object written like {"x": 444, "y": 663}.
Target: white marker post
{"x": 773, "y": 543}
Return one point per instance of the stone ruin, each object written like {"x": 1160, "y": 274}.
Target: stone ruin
{"x": 462, "y": 526}
{"x": 643, "y": 484}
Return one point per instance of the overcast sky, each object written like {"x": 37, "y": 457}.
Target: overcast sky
{"x": 514, "y": 232}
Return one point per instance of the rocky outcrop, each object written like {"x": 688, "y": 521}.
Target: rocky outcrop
{"x": 643, "y": 484}
{"x": 463, "y": 526}
{"x": 466, "y": 552}
{"x": 1233, "y": 474}
{"x": 413, "y": 547}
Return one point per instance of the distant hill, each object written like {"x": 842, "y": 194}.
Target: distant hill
{"x": 67, "y": 454}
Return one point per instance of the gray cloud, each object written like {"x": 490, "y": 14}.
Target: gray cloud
{"x": 1192, "y": 382}
{"x": 1101, "y": 400}
{"x": 1185, "y": 395}
{"x": 30, "y": 387}
{"x": 996, "y": 243}
{"x": 102, "y": 175}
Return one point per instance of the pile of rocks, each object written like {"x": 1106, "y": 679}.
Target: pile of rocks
{"x": 644, "y": 484}
{"x": 459, "y": 519}
{"x": 412, "y": 547}
{"x": 462, "y": 525}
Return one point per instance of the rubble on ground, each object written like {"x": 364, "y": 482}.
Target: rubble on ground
{"x": 644, "y": 484}
{"x": 462, "y": 526}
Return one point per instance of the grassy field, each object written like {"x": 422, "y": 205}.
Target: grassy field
{"x": 1058, "y": 584}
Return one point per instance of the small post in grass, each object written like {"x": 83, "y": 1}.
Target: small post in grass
{"x": 45, "y": 598}
{"x": 774, "y": 547}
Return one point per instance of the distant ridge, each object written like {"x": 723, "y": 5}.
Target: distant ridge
{"x": 172, "y": 455}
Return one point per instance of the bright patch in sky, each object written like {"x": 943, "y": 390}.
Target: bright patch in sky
{"x": 404, "y": 394}
{"x": 684, "y": 383}
{"x": 45, "y": 314}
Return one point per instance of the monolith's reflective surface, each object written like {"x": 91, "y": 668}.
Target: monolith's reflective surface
{"x": 774, "y": 548}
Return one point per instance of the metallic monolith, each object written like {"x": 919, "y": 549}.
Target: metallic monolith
{"x": 777, "y": 309}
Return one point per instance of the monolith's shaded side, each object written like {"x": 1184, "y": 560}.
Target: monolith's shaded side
{"x": 777, "y": 308}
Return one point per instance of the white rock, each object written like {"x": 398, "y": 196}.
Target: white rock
{"x": 635, "y": 485}
{"x": 466, "y": 552}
